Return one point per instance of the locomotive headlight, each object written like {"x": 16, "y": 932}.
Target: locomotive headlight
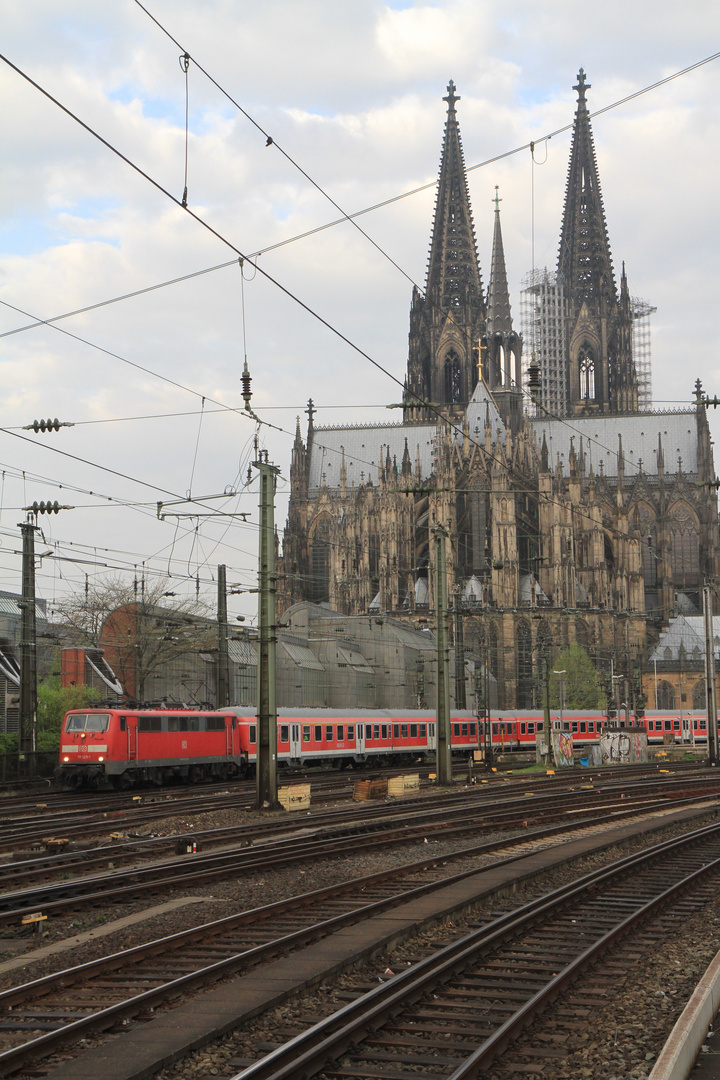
{"x": 66, "y": 759}
{"x": 101, "y": 758}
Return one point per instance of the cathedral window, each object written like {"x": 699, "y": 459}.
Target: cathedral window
{"x": 320, "y": 556}
{"x": 665, "y": 696}
{"x": 453, "y": 378}
{"x": 524, "y": 667}
{"x": 587, "y": 377}
{"x": 684, "y": 547}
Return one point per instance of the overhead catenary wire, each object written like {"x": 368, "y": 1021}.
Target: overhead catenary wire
{"x": 217, "y": 234}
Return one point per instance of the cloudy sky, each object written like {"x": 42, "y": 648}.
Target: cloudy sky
{"x": 351, "y": 94}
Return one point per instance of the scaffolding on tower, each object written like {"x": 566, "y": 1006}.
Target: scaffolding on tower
{"x": 641, "y": 311}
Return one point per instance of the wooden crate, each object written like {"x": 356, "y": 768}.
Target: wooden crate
{"x": 403, "y": 785}
{"x": 369, "y": 789}
{"x": 295, "y": 797}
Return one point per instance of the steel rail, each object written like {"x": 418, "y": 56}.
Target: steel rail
{"x": 20, "y": 1056}
{"x": 310, "y": 1051}
{"x": 175, "y": 873}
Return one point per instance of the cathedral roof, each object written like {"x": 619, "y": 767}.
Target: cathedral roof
{"x": 598, "y": 438}
{"x": 366, "y": 447}
{"x": 482, "y": 405}
{"x": 686, "y": 633}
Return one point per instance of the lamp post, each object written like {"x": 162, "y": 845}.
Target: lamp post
{"x": 562, "y": 693}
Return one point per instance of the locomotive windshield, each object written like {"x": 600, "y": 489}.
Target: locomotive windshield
{"x": 88, "y": 722}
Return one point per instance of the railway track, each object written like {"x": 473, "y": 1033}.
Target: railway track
{"x": 450, "y": 1015}
{"x": 105, "y": 994}
{"x": 284, "y": 843}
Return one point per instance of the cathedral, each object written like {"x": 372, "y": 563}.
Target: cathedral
{"x": 573, "y": 514}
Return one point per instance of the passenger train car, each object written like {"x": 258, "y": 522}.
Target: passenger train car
{"x": 126, "y": 746}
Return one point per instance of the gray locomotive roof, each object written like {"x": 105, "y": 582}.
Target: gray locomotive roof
{"x": 599, "y": 438}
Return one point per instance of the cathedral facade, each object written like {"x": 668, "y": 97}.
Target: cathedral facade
{"x": 592, "y": 524}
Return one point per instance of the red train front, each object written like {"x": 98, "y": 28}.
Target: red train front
{"x": 129, "y": 747}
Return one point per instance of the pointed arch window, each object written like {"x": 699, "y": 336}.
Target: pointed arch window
{"x": 320, "y": 558}
{"x": 524, "y": 666}
{"x": 684, "y": 546}
{"x": 587, "y": 376}
{"x": 453, "y": 378}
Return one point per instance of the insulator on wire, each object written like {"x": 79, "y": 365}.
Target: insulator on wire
{"x": 246, "y": 381}
{"x": 46, "y": 507}
{"x": 45, "y": 425}
{"x": 533, "y": 378}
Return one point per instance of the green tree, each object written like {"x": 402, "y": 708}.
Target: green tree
{"x": 55, "y": 700}
{"x": 581, "y": 681}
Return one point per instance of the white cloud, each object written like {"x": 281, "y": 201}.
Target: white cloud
{"x": 353, "y": 93}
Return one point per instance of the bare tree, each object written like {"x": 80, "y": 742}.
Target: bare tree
{"x": 143, "y": 630}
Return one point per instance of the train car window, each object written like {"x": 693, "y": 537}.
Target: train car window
{"x": 328, "y": 733}
{"x": 566, "y": 725}
{"x": 341, "y": 732}
{"x": 464, "y": 729}
{"x": 531, "y": 727}
{"x": 423, "y": 731}
{"x": 591, "y": 726}
{"x": 702, "y": 725}
{"x": 431, "y": 729}
{"x": 359, "y": 731}
{"x": 668, "y": 725}
{"x": 173, "y": 723}
{"x": 384, "y": 731}
{"x": 376, "y": 731}
{"x": 575, "y": 727}
{"x": 234, "y": 722}
{"x": 403, "y": 731}
{"x": 583, "y": 727}
{"x": 396, "y": 731}
{"x": 351, "y": 731}
{"x": 413, "y": 731}
{"x": 193, "y": 723}
{"x": 318, "y": 733}
{"x": 123, "y": 723}
{"x": 523, "y": 728}
{"x": 456, "y": 729}
{"x": 88, "y": 722}
{"x": 495, "y": 729}
{"x": 472, "y": 729}
{"x": 149, "y": 723}
{"x": 306, "y": 733}
{"x": 676, "y": 725}
{"x": 215, "y": 723}
{"x": 253, "y": 733}
{"x": 284, "y": 733}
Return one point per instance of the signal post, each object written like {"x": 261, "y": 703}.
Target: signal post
{"x": 266, "y": 746}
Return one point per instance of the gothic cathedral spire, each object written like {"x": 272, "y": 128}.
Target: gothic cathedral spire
{"x": 448, "y": 320}
{"x": 601, "y": 373}
{"x": 503, "y": 347}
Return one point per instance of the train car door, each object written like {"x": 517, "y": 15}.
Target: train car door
{"x": 229, "y": 736}
{"x": 132, "y": 738}
{"x": 686, "y": 729}
{"x": 294, "y": 740}
{"x": 360, "y": 738}
{"x": 432, "y": 737}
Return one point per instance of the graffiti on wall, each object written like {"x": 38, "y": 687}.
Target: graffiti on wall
{"x": 623, "y": 748}
{"x": 562, "y": 748}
